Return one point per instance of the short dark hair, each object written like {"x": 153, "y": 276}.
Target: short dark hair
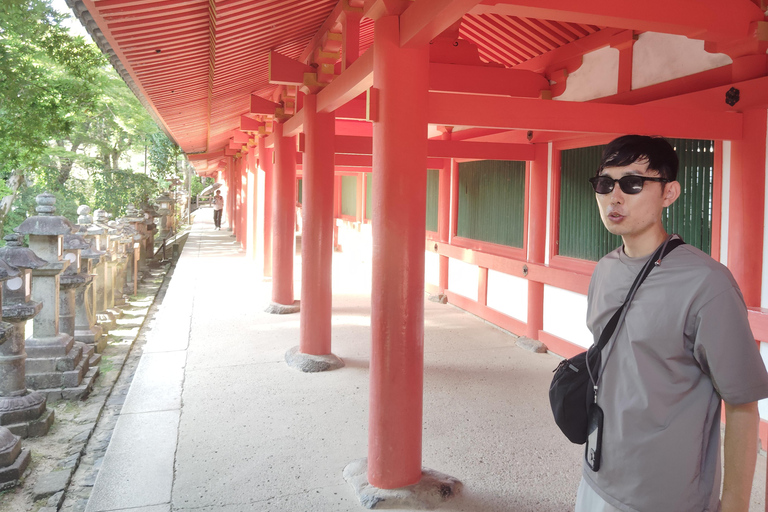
{"x": 630, "y": 148}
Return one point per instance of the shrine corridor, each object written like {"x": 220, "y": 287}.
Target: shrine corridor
{"x": 215, "y": 420}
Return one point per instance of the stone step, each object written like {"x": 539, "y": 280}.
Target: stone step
{"x": 57, "y": 379}
{"x": 34, "y": 365}
{"x": 33, "y": 428}
{"x": 73, "y": 393}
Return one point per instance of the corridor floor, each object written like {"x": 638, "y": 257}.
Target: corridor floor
{"x": 216, "y": 421}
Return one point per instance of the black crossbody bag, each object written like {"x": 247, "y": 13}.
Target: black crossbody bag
{"x": 573, "y": 388}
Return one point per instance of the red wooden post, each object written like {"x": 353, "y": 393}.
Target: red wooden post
{"x": 243, "y": 203}
{"x": 317, "y": 231}
{"x": 359, "y": 205}
{"x": 397, "y": 298}
{"x": 265, "y": 162}
{"x": 283, "y": 217}
{"x": 230, "y": 192}
{"x": 444, "y": 217}
{"x": 537, "y": 236}
{"x": 251, "y": 216}
{"x": 745, "y": 221}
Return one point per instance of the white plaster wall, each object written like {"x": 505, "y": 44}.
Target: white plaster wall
{"x": 661, "y": 57}
{"x": 763, "y": 404}
{"x": 565, "y": 315}
{"x": 463, "y": 278}
{"x": 508, "y": 294}
{"x": 725, "y": 202}
{"x": 597, "y": 77}
{"x": 432, "y": 267}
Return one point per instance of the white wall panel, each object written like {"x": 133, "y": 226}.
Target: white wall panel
{"x": 661, "y": 57}
{"x": 462, "y": 278}
{"x": 597, "y": 77}
{"x": 565, "y": 315}
{"x": 432, "y": 267}
{"x": 508, "y": 294}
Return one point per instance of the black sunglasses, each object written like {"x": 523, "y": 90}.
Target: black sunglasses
{"x": 630, "y": 184}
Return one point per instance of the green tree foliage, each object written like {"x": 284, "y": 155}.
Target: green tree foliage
{"x": 67, "y": 121}
{"x": 114, "y": 190}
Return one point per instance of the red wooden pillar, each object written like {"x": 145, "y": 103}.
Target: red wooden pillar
{"x": 244, "y": 225}
{"x": 537, "y": 236}
{"x": 444, "y": 217}
{"x": 238, "y": 198}
{"x": 230, "y": 207}
{"x": 283, "y": 217}
{"x": 745, "y": 221}
{"x": 397, "y": 297}
{"x": 251, "y": 217}
{"x": 265, "y": 162}
{"x": 317, "y": 231}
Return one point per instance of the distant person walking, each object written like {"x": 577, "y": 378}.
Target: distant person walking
{"x": 218, "y": 208}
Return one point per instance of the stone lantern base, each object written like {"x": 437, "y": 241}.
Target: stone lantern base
{"x": 13, "y": 459}
{"x": 26, "y": 415}
{"x": 64, "y": 371}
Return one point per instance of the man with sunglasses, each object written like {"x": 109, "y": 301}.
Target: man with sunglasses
{"x": 684, "y": 344}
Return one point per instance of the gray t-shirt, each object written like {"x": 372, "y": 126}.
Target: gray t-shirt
{"x": 685, "y": 343}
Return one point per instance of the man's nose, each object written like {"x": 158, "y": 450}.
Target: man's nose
{"x": 616, "y": 195}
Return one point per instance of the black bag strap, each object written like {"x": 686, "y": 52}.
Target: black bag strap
{"x": 654, "y": 261}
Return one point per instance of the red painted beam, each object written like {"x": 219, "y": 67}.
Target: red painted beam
{"x": 553, "y": 58}
{"x": 479, "y": 150}
{"x": 250, "y": 125}
{"x": 713, "y": 20}
{"x": 570, "y": 116}
{"x": 240, "y": 137}
{"x": 206, "y": 156}
{"x": 486, "y": 80}
{"x": 427, "y": 19}
{"x": 261, "y": 106}
{"x": 286, "y": 71}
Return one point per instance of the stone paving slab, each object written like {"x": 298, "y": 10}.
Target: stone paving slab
{"x": 157, "y": 383}
{"x": 137, "y": 470}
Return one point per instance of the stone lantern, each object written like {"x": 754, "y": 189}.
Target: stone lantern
{"x": 106, "y": 278}
{"x": 56, "y": 364}
{"x": 86, "y": 329}
{"x": 136, "y": 219}
{"x": 121, "y": 262}
{"x": 164, "y": 210}
{"x": 150, "y": 214}
{"x": 72, "y": 281}
{"x": 22, "y": 411}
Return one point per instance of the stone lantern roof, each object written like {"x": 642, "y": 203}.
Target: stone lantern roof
{"x": 15, "y": 254}
{"x": 75, "y": 241}
{"x": 45, "y": 223}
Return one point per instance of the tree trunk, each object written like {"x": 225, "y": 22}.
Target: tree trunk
{"x": 14, "y": 183}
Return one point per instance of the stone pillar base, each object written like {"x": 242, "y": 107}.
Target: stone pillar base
{"x": 106, "y": 320}
{"x": 281, "y": 309}
{"x": 13, "y": 459}
{"x": 309, "y": 363}
{"x": 440, "y": 298}
{"x": 26, "y": 415}
{"x": 532, "y": 345}
{"x": 433, "y": 489}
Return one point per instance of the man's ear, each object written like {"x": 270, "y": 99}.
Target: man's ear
{"x": 671, "y": 192}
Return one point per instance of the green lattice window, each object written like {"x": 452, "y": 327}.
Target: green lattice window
{"x": 433, "y": 190}
{"x": 492, "y": 201}
{"x": 368, "y": 195}
{"x": 349, "y": 195}
{"x": 299, "y": 193}
{"x": 582, "y": 234}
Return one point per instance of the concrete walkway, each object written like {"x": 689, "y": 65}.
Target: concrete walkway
{"x": 216, "y": 421}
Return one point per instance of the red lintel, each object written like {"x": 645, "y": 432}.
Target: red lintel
{"x": 250, "y": 125}
{"x": 239, "y": 137}
{"x": 486, "y": 80}
{"x": 572, "y": 116}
